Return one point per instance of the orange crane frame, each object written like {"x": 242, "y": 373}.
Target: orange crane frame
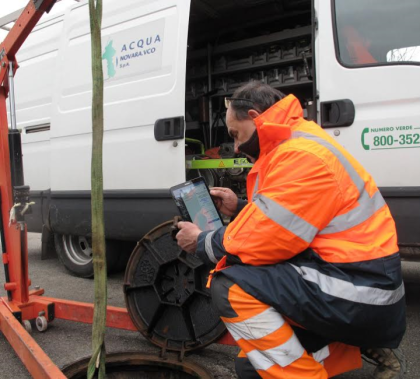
{"x": 22, "y": 304}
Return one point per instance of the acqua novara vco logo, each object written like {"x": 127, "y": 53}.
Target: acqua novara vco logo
{"x": 120, "y": 56}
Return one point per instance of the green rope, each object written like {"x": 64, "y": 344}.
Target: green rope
{"x": 97, "y": 362}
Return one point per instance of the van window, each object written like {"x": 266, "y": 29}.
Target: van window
{"x": 377, "y": 32}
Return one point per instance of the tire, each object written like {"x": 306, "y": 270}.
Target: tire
{"x": 75, "y": 252}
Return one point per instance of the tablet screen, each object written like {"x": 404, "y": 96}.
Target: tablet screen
{"x": 196, "y": 205}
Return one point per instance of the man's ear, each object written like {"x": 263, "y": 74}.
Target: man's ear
{"x": 253, "y": 113}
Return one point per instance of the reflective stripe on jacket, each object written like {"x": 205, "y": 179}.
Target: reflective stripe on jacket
{"x": 306, "y": 190}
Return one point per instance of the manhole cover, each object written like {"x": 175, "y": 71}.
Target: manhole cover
{"x": 166, "y": 295}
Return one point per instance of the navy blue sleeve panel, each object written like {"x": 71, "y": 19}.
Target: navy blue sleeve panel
{"x": 210, "y": 247}
{"x": 241, "y": 205}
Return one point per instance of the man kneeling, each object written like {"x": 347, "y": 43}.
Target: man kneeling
{"x": 308, "y": 273}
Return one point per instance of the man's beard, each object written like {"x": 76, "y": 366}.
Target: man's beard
{"x": 252, "y": 146}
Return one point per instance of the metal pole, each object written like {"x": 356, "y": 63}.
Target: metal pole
{"x": 12, "y": 98}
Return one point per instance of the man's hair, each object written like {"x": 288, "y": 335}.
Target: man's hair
{"x": 261, "y": 96}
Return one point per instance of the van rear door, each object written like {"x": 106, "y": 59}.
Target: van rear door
{"x": 144, "y": 56}
{"x": 368, "y": 66}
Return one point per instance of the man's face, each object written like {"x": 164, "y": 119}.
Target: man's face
{"x": 240, "y": 130}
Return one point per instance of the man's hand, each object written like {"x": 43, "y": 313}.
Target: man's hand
{"x": 225, "y": 199}
{"x": 187, "y": 236}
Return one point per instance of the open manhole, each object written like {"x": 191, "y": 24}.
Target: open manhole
{"x": 140, "y": 366}
{"x": 166, "y": 295}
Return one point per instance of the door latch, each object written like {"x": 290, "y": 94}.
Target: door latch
{"x": 337, "y": 113}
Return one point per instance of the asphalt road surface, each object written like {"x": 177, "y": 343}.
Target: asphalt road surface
{"x": 66, "y": 342}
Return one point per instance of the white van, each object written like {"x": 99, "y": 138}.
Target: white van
{"x": 168, "y": 65}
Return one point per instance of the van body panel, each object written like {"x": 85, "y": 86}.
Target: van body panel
{"x": 128, "y": 214}
{"x": 35, "y": 86}
{"x": 144, "y": 66}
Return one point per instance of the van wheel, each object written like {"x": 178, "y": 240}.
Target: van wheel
{"x": 75, "y": 252}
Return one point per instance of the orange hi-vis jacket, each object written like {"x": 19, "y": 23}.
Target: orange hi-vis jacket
{"x": 316, "y": 240}
{"x": 306, "y": 191}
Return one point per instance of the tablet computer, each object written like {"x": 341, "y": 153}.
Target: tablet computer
{"x": 196, "y": 205}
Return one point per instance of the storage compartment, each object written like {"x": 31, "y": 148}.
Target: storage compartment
{"x": 236, "y": 42}
{"x": 233, "y": 43}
